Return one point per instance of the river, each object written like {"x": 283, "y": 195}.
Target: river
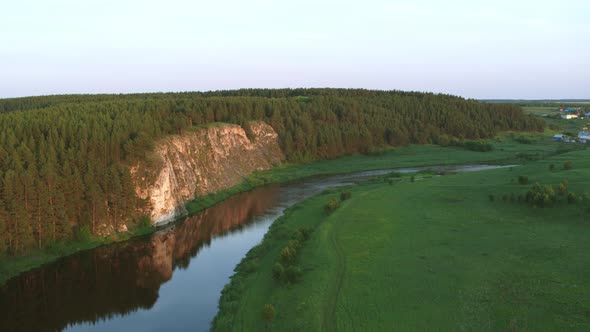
{"x": 170, "y": 280}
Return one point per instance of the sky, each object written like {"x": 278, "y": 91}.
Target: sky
{"x": 480, "y": 49}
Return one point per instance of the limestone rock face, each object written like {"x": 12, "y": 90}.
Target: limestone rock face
{"x": 202, "y": 161}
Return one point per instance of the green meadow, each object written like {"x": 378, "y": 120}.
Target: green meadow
{"x": 461, "y": 252}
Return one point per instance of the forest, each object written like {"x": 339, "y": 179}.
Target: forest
{"x": 64, "y": 160}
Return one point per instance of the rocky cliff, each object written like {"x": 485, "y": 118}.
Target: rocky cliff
{"x": 202, "y": 161}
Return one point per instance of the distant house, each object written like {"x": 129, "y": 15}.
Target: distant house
{"x": 558, "y": 137}
{"x": 584, "y": 135}
{"x": 588, "y": 115}
{"x": 569, "y": 116}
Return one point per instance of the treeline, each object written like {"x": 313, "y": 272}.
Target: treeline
{"x": 64, "y": 159}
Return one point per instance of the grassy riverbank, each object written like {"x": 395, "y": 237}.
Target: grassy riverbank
{"x": 506, "y": 150}
{"x": 465, "y": 251}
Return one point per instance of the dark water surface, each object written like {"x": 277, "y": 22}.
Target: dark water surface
{"x": 168, "y": 281}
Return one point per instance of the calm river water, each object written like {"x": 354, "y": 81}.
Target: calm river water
{"x": 168, "y": 281}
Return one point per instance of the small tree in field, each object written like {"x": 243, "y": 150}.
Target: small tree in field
{"x": 552, "y": 167}
{"x": 567, "y": 165}
{"x": 268, "y": 314}
{"x": 332, "y": 205}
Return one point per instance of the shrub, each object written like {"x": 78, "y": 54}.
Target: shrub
{"x": 145, "y": 221}
{"x": 538, "y": 195}
{"x": 293, "y": 274}
{"x": 524, "y": 140}
{"x": 268, "y": 314}
{"x": 302, "y": 234}
{"x": 523, "y": 179}
{"x": 571, "y": 198}
{"x": 278, "y": 270}
{"x": 563, "y": 187}
{"x": 83, "y": 233}
{"x": 412, "y": 178}
{"x": 491, "y": 197}
{"x": 332, "y": 205}
{"x": 345, "y": 195}
{"x": 288, "y": 254}
{"x": 478, "y": 146}
{"x": 552, "y": 167}
{"x": 294, "y": 244}
{"x": 567, "y": 165}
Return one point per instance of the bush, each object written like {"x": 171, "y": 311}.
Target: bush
{"x": 293, "y": 274}
{"x": 478, "y": 146}
{"x": 377, "y": 151}
{"x": 538, "y": 195}
{"x": 345, "y": 195}
{"x": 278, "y": 271}
{"x": 394, "y": 175}
{"x": 567, "y": 165}
{"x": 83, "y": 233}
{"x": 523, "y": 179}
{"x": 491, "y": 197}
{"x": 563, "y": 187}
{"x": 288, "y": 254}
{"x": 524, "y": 140}
{"x": 331, "y": 206}
{"x": 302, "y": 234}
{"x": 145, "y": 221}
{"x": 268, "y": 314}
{"x": 571, "y": 198}
{"x": 294, "y": 244}
{"x": 552, "y": 167}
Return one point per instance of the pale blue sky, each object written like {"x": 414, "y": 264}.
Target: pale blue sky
{"x": 476, "y": 49}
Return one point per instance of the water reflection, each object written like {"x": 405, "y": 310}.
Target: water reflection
{"x": 122, "y": 278}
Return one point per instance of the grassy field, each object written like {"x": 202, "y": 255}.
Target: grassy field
{"x": 435, "y": 254}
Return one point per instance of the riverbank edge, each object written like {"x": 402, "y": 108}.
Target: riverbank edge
{"x": 14, "y": 266}
{"x": 275, "y": 238}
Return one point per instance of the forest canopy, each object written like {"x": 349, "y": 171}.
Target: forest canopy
{"x": 64, "y": 160}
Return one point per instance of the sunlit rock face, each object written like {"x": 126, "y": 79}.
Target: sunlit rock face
{"x": 202, "y": 161}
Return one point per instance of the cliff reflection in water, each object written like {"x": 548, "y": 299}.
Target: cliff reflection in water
{"x": 122, "y": 278}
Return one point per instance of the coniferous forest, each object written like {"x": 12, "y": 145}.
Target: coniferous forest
{"x": 64, "y": 159}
